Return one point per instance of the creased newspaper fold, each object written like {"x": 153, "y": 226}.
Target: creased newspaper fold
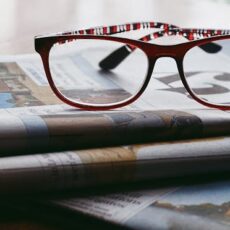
{"x": 52, "y": 128}
{"x": 44, "y": 126}
{"x": 111, "y": 166}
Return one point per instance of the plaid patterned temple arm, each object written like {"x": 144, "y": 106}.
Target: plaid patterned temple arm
{"x": 116, "y": 57}
{"x": 166, "y": 30}
{"x": 115, "y": 29}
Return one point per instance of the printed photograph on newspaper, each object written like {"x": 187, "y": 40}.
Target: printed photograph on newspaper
{"x": 189, "y": 207}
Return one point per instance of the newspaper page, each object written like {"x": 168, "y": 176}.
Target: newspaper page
{"x": 45, "y": 125}
{"x": 112, "y": 166}
{"x": 27, "y": 86}
{"x": 55, "y": 128}
{"x": 205, "y": 206}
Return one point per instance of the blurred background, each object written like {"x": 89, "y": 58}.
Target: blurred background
{"x": 21, "y": 20}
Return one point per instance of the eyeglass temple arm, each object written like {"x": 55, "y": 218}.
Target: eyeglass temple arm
{"x": 117, "y": 56}
{"x": 167, "y": 29}
{"x": 115, "y": 29}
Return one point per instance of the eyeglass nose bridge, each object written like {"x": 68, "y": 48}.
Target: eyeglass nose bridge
{"x": 176, "y": 52}
{"x": 173, "y": 51}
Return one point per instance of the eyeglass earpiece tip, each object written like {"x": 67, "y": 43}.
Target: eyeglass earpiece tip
{"x": 114, "y": 59}
{"x": 211, "y": 48}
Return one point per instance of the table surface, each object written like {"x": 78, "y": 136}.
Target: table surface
{"x": 21, "y": 20}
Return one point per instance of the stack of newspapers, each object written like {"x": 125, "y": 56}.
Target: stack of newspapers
{"x": 112, "y": 166}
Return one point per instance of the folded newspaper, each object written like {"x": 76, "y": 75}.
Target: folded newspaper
{"x": 204, "y": 206}
{"x": 42, "y": 124}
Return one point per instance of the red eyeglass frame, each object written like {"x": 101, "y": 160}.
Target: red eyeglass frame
{"x": 43, "y": 45}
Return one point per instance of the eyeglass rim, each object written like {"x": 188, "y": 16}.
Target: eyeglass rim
{"x": 43, "y": 46}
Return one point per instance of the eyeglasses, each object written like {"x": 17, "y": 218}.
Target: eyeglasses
{"x": 91, "y": 70}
